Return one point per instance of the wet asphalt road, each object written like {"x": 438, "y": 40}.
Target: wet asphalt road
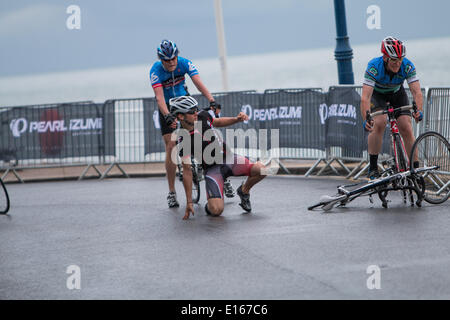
{"x": 129, "y": 245}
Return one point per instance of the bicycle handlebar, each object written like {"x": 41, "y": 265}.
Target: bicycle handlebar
{"x": 369, "y": 115}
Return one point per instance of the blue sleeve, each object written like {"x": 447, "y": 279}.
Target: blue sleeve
{"x": 371, "y": 74}
{"x": 189, "y": 67}
{"x": 410, "y": 71}
{"x": 155, "y": 80}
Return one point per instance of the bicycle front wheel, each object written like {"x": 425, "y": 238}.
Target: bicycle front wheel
{"x": 4, "y": 199}
{"x": 195, "y": 184}
{"x": 432, "y": 149}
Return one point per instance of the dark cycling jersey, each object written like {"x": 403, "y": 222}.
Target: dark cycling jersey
{"x": 206, "y": 120}
{"x": 173, "y": 83}
{"x": 215, "y": 173}
{"x": 385, "y": 82}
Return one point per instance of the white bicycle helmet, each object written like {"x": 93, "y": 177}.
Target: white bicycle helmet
{"x": 182, "y": 104}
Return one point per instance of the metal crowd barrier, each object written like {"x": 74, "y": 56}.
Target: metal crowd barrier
{"x": 313, "y": 125}
{"x": 437, "y": 112}
{"x": 51, "y": 135}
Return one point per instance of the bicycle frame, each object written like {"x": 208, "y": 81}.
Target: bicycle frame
{"x": 379, "y": 186}
{"x": 398, "y": 177}
{"x": 398, "y": 147}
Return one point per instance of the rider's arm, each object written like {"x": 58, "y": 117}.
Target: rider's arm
{"x": 187, "y": 181}
{"x": 201, "y": 87}
{"x": 365, "y": 99}
{"x": 228, "y": 121}
{"x": 417, "y": 94}
{"x": 159, "y": 94}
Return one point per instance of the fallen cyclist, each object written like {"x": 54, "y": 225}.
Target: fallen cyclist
{"x": 217, "y": 167}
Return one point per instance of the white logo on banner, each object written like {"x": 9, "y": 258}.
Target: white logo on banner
{"x": 336, "y": 110}
{"x": 275, "y": 113}
{"x": 18, "y": 126}
{"x": 21, "y": 125}
{"x": 156, "y": 119}
{"x": 247, "y": 109}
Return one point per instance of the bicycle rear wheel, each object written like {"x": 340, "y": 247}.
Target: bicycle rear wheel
{"x": 4, "y": 199}
{"x": 432, "y": 149}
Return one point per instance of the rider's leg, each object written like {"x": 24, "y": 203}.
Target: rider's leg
{"x": 214, "y": 190}
{"x": 171, "y": 167}
{"x": 215, "y": 206}
{"x": 375, "y": 140}
{"x": 255, "y": 177}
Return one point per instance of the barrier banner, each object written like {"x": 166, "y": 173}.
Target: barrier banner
{"x": 153, "y": 140}
{"x": 343, "y": 121}
{"x": 60, "y": 131}
{"x": 295, "y": 112}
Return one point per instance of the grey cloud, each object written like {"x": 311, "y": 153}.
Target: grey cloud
{"x": 31, "y": 19}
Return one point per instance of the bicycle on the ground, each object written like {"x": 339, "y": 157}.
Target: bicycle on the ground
{"x": 4, "y": 199}
{"x": 197, "y": 177}
{"x": 429, "y": 181}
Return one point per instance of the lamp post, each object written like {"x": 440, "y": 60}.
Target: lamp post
{"x": 221, "y": 43}
{"x": 343, "y": 52}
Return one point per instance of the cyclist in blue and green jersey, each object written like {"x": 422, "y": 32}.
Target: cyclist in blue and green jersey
{"x": 383, "y": 83}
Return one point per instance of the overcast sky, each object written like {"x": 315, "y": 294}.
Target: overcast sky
{"x": 34, "y": 37}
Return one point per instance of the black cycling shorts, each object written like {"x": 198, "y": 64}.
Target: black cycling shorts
{"x": 165, "y": 129}
{"x": 397, "y": 99}
{"x": 217, "y": 174}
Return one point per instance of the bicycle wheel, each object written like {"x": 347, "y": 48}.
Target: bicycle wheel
{"x": 432, "y": 149}
{"x": 4, "y": 199}
{"x": 328, "y": 202}
{"x": 195, "y": 184}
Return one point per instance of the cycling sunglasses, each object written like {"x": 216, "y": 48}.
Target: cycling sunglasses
{"x": 192, "y": 111}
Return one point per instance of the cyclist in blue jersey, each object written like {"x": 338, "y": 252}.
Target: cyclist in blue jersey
{"x": 167, "y": 78}
{"x": 383, "y": 83}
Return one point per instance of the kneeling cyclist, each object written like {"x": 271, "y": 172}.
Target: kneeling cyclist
{"x": 185, "y": 108}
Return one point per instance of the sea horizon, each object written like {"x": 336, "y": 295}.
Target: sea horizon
{"x": 276, "y": 70}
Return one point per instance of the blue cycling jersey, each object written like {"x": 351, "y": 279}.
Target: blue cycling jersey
{"x": 173, "y": 83}
{"x": 383, "y": 82}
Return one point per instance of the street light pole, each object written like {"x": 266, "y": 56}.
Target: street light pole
{"x": 343, "y": 53}
{"x": 221, "y": 43}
